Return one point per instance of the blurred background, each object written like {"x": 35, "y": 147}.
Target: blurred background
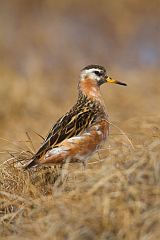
{"x": 44, "y": 44}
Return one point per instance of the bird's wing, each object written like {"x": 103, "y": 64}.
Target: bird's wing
{"x": 68, "y": 126}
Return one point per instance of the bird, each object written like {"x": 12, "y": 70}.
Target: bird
{"x": 77, "y": 135}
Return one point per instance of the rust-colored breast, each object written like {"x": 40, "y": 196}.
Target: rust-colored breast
{"x": 78, "y": 148}
{"x": 90, "y": 88}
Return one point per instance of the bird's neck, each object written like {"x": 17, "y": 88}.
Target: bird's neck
{"x": 90, "y": 89}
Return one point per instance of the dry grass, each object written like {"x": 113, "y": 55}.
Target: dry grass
{"x": 43, "y": 45}
{"x": 117, "y": 197}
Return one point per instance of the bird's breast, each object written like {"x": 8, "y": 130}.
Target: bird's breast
{"x": 90, "y": 88}
{"x": 80, "y": 147}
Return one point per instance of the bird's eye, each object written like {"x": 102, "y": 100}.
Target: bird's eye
{"x": 98, "y": 73}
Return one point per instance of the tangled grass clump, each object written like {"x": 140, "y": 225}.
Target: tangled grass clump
{"x": 116, "y": 197}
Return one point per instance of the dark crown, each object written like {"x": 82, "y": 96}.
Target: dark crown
{"x": 95, "y": 66}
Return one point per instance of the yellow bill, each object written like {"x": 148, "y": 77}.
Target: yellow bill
{"x": 110, "y": 80}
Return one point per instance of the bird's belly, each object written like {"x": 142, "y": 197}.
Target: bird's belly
{"x": 78, "y": 148}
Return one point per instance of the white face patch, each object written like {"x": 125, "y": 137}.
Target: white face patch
{"x": 90, "y": 73}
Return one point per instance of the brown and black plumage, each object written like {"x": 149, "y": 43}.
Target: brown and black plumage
{"x": 86, "y": 121}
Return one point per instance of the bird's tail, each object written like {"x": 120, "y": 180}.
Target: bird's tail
{"x": 32, "y": 163}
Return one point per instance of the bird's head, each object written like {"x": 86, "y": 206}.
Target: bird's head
{"x": 98, "y": 75}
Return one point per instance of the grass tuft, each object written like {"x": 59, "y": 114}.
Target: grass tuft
{"x": 116, "y": 197}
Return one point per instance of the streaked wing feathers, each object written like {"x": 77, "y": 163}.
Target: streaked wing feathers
{"x": 68, "y": 126}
